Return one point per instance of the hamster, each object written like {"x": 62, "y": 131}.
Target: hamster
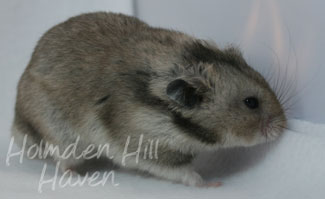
{"x": 105, "y": 78}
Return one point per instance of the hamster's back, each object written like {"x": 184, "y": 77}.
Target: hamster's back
{"x": 87, "y": 51}
{"x": 85, "y": 60}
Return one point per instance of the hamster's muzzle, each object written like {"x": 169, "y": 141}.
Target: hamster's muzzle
{"x": 272, "y": 127}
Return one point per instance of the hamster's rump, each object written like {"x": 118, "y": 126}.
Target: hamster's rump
{"x": 104, "y": 78}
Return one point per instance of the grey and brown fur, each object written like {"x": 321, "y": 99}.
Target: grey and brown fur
{"x": 104, "y": 77}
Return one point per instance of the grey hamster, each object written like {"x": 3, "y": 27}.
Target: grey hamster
{"x": 105, "y": 78}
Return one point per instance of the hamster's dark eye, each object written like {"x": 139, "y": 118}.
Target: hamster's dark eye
{"x": 251, "y": 102}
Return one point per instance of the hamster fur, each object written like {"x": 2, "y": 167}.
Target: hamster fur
{"x": 110, "y": 78}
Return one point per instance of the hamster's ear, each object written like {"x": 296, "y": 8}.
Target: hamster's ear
{"x": 183, "y": 93}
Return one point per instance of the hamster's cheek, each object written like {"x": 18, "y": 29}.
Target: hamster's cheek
{"x": 260, "y": 138}
{"x": 232, "y": 139}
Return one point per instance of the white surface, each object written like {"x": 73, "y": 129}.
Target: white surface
{"x": 293, "y": 29}
{"x": 294, "y": 167}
